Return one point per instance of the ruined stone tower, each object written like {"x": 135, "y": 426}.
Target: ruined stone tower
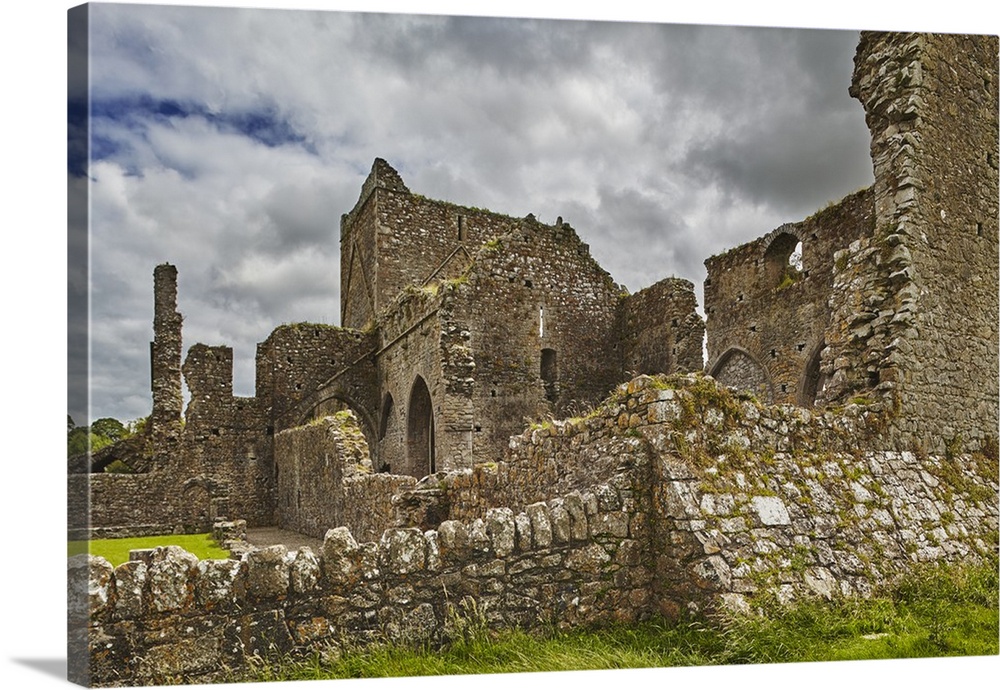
{"x": 165, "y": 361}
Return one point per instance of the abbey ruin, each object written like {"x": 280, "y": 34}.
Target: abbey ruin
{"x": 843, "y": 427}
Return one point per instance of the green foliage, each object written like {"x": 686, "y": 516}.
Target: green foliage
{"x": 118, "y": 467}
{"x": 790, "y": 278}
{"x": 937, "y": 611}
{"x": 102, "y": 433}
{"x": 116, "y": 550}
{"x": 109, "y": 428}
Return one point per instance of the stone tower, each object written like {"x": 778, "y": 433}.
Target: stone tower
{"x": 165, "y": 361}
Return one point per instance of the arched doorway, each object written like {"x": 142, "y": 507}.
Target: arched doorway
{"x": 420, "y": 431}
{"x": 388, "y": 436}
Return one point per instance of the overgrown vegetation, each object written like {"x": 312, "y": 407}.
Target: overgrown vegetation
{"x": 937, "y": 611}
{"x": 116, "y": 550}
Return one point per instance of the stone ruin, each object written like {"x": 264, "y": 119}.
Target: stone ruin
{"x": 847, "y": 428}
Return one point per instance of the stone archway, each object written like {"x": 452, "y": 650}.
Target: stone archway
{"x": 737, "y": 368}
{"x": 783, "y": 260}
{"x": 813, "y": 378}
{"x": 420, "y": 431}
{"x": 331, "y": 400}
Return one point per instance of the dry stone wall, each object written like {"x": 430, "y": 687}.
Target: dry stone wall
{"x": 715, "y": 501}
{"x": 169, "y": 617}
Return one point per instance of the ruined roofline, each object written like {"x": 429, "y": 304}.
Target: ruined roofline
{"x": 286, "y": 327}
{"x": 381, "y": 176}
{"x": 384, "y": 176}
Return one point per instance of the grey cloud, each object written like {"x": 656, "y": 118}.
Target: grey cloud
{"x": 680, "y": 140}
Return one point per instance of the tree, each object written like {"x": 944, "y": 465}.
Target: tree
{"x": 102, "y": 433}
{"x": 109, "y": 428}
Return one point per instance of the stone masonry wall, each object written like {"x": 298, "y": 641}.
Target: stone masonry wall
{"x": 397, "y": 239}
{"x": 774, "y": 315}
{"x": 410, "y": 335}
{"x": 660, "y": 329}
{"x": 165, "y": 355}
{"x": 324, "y": 479}
{"x": 302, "y": 366}
{"x": 754, "y": 500}
{"x": 541, "y": 314}
{"x": 168, "y": 617}
{"x": 930, "y": 101}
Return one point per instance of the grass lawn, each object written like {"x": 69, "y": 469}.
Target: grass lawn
{"x": 116, "y": 550}
{"x": 940, "y": 611}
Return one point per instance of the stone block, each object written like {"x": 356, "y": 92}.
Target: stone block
{"x": 264, "y": 573}
{"x": 403, "y": 550}
{"x": 170, "y": 575}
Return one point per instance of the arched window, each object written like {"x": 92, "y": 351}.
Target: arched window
{"x": 783, "y": 260}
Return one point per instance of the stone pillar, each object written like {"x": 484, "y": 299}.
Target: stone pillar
{"x": 165, "y": 355}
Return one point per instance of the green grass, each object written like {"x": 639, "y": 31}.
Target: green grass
{"x": 939, "y": 611}
{"x": 116, "y": 550}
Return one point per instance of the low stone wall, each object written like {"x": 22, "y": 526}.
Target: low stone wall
{"x": 571, "y": 561}
{"x": 547, "y": 460}
{"x": 708, "y": 501}
{"x": 751, "y": 500}
{"x": 126, "y": 505}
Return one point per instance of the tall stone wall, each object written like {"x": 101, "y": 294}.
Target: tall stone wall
{"x": 541, "y": 313}
{"x": 930, "y": 101}
{"x": 660, "y": 329}
{"x": 411, "y": 364}
{"x": 393, "y": 239}
{"x": 767, "y": 319}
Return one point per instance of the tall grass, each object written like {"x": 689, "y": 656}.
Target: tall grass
{"x": 936, "y": 611}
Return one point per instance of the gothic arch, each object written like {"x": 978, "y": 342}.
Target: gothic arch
{"x": 329, "y": 400}
{"x": 813, "y": 379}
{"x": 419, "y": 431}
{"x": 389, "y": 435}
{"x": 737, "y": 368}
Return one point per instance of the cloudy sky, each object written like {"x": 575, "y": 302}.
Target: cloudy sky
{"x": 229, "y": 142}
